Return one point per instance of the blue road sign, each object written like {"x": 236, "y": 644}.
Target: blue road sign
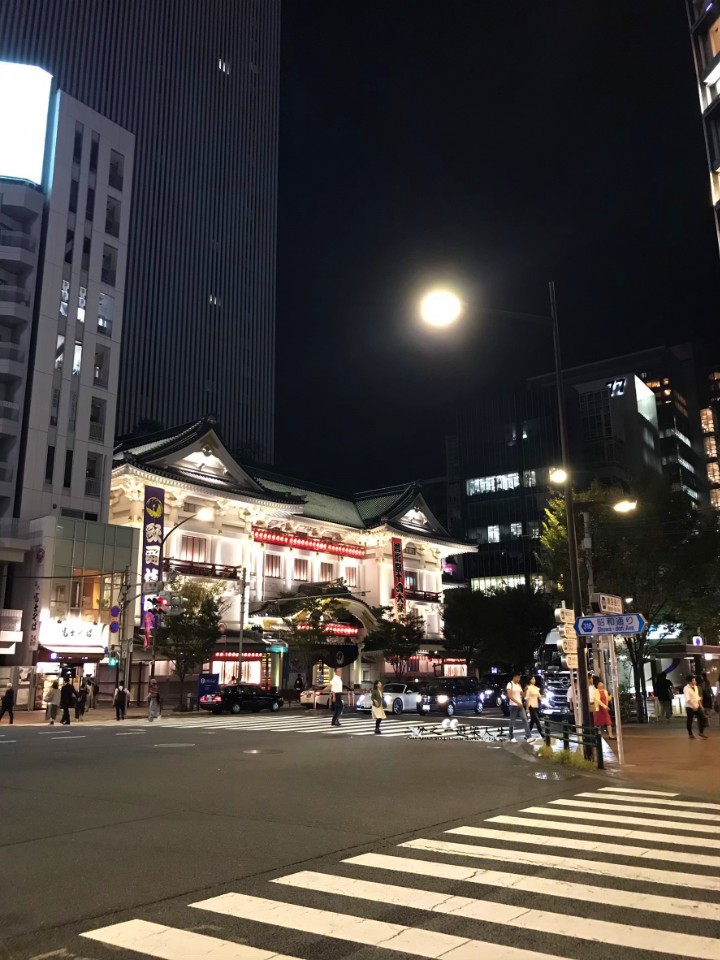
{"x": 620, "y": 624}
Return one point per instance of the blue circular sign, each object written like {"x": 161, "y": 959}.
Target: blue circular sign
{"x": 587, "y": 626}
{"x": 115, "y": 611}
{"x": 114, "y": 626}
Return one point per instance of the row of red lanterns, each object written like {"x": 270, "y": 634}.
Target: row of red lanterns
{"x": 307, "y": 543}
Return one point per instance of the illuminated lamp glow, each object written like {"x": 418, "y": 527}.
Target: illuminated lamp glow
{"x": 440, "y": 308}
{"x": 24, "y": 100}
{"x": 307, "y": 543}
{"x": 335, "y": 629}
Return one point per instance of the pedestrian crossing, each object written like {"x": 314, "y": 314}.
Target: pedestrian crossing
{"x": 510, "y": 887}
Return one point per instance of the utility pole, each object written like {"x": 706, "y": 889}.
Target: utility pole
{"x": 243, "y": 578}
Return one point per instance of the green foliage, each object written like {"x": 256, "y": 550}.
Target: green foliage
{"x": 499, "y": 628}
{"x": 189, "y": 638}
{"x": 398, "y": 638}
{"x": 570, "y": 758}
{"x": 306, "y": 619}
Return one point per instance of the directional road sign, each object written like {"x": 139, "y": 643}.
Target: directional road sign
{"x": 572, "y": 661}
{"x": 569, "y": 645}
{"x": 621, "y": 625}
{"x": 567, "y": 631}
{"x": 563, "y": 615}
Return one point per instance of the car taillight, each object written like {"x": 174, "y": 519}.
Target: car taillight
{"x": 216, "y": 699}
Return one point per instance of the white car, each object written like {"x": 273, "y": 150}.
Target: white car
{"x": 319, "y": 697}
{"x": 397, "y": 697}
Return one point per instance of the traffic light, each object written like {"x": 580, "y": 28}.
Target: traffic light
{"x": 159, "y": 604}
{"x": 113, "y": 657}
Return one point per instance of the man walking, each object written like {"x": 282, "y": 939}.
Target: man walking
{"x": 664, "y": 695}
{"x": 120, "y": 700}
{"x": 693, "y": 708}
{"x": 336, "y": 698}
{"x": 67, "y": 700}
{"x": 7, "y": 704}
{"x": 517, "y": 710}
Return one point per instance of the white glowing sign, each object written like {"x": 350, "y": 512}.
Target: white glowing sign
{"x": 24, "y": 100}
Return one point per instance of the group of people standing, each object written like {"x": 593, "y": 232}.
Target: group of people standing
{"x": 67, "y": 697}
{"x": 699, "y": 701}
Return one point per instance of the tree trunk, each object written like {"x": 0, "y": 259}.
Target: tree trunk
{"x": 182, "y": 687}
{"x": 643, "y": 685}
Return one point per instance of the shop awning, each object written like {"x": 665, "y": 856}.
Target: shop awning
{"x": 74, "y": 650}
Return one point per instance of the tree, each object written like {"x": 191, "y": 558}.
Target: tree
{"x": 399, "y": 639}
{"x": 664, "y": 555}
{"x": 188, "y": 639}
{"x": 501, "y": 627}
{"x": 307, "y": 619}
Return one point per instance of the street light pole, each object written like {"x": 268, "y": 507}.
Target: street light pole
{"x": 570, "y": 514}
{"x": 243, "y": 578}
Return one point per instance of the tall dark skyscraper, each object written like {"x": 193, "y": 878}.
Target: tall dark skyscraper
{"x": 197, "y": 84}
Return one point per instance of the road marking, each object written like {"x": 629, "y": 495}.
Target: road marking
{"x": 610, "y": 832}
{"x": 8, "y": 741}
{"x": 131, "y": 733}
{"x": 629, "y": 808}
{"x": 371, "y": 933}
{"x": 67, "y": 736}
{"x": 696, "y": 805}
{"x": 678, "y": 827}
{"x": 507, "y": 915}
{"x": 573, "y": 865}
{"x": 168, "y": 746}
{"x": 649, "y": 793}
{"x": 169, "y": 943}
{"x": 698, "y": 909}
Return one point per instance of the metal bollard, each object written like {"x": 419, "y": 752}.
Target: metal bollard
{"x": 566, "y": 735}
{"x": 547, "y": 732}
{"x": 599, "y": 748}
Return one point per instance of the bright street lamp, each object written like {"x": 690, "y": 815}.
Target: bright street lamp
{"x": 558, "y": 475}
{"x": 625, "y": 506}
{"x": 205, "y": 514}
{"x": 440, "y": 308}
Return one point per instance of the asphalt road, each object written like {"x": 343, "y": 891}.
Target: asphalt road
{"x": 112, "y": 834}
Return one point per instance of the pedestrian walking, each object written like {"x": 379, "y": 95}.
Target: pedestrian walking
{"x": 67, "y": 700}
{"x": 377, "y": 705}
{"x": 706, "y": 692}
{"x": 602, "y": 718}
{"x": 517, "y": 710}
{"x": 81, "y": 700}
{"x": 694, "y": 708}
{"x": 592, "y": 694}
{"x": 120, "y": 700}
{"x": 299, "y": 686}
{"x": 52, "y": 699}
{"x": 664, "y": 693}
{"x": 153, "y": 700}
{"x": 7, "y": 704}
{"x": 90, "y": 695}
{"x": 336, "y": 698}
{"x": 532, "y": 702}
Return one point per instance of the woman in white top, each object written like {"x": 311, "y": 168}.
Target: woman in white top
{"x": 532, "y": 702}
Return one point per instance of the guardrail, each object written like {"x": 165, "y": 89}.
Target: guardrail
{"x": 588, "y": 737}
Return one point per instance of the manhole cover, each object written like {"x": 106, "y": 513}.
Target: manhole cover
{"x": 263, "y": 751}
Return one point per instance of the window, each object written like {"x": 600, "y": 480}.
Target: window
{"x": 82, "y": 301}
{"x": 715, "y": 499}
{"x": 713, "y": 472}
{"x": 85, "y": 262}
{"x": 97, "y": 419}
{"x": 73, "y": 411}
{"x": 94, "y": 146}
{"x": 272, "y": 565}
{"x": 706, "y": 421}
{"x": 77, "y": 145}
{"x": 496, "y": 583}
{"x": 77, "y": 358}
{"x": 117, "y": 170}
{"x": 301, "y": 570}
{"x": 710, "y": 444}
{"x": 93, "y": 474}
{"x": 493, "y": 534}
{"x": 59, "y": 351}
{"x": 49, "y": 464}
{"x": 351, "y": 576}
{"x": 516, "y": 530}
{"x": 69, "y": 240}
{"x": 223, "y": 66}
{"x": 54, "y": 407}
{"x": 112, "y": 217}
{"x": 74, "y": 188}
{"x": 496, "y": 484}
{"x": 411, "y": 580}
{"x": 533, "y": 529}
{"x": 67, "y": 473}
{"x": 109, "y": 265}
{"x": 105, "y": 314}
{"x": 101, "y": 367}
{"x": 327, "y": 572}
{"x": 90, "y": 205}
{"x": 193, "y": 548}
{"x": 529, "y": 479}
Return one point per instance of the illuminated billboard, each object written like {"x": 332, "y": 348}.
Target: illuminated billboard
{"x": 24, "y": 100}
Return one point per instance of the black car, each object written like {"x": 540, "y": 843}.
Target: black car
{"x": 240, "y": 696}
{"x": 493, "y": 687}
{"x": 450, "y": 695}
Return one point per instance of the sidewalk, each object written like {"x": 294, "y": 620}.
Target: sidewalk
{"x": 664, "y": 754}
{"x": 102, "y": 714}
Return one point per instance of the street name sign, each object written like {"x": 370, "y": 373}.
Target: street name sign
{"x": 567, "y": 631}
{"x": 569, "y": 644}
{"x": 606, "y": 603}
{"x": 563, "y": 615}
{"x": 572, "y": 661}
{"x": 621, "y": 625}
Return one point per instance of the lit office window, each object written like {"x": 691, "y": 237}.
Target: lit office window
{"x": 301, "y": 571}
{"x": 495, "y": 484}
{"x": 493, "y": 534}
{"x": 515, "y": 530}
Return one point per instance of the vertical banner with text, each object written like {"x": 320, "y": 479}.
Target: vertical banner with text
{"x": 398, "y": 571}
{"x": 152, "y": 549}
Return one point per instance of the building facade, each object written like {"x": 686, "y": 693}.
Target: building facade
{"x": 199, "y": 90}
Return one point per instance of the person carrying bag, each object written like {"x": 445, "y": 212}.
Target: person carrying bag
{"x": 378, "y": 711}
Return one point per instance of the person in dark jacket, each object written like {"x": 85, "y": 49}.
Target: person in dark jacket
{"x": 81, "y": 700}
{"x": 67, "y": 700}
{"x": 7, "y": 704}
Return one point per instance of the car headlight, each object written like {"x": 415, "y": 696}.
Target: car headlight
{"x": 488, "y": 693}
{"x": 442, "y": 698}
{"x": 418, "y": 699}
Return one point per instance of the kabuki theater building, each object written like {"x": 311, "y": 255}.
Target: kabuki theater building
{"x": 200, "y": 514}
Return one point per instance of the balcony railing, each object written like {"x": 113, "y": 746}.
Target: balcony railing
{"x": 420, "y": 596}
{"x": 10, "y": 620}
{"x": 193, "y": 568}
{"x": 97, "y": 431}
{"x": 10, "y": 294}
{"x": 13, "y": 238}
{"x": 92, "y": 486}
{"x": 8, "y": 410}
{"x": 8, "y": 351}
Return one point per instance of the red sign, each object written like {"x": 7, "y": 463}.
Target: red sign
{"x": 398, "y": 571}
{"x": 307, "y": 543}
{"x": 336, "y": 629}
{"x": 235, "y": 655}
{"x": 148, "y": 619}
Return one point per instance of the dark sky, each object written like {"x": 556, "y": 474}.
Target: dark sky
{"x": 490, "y": 145}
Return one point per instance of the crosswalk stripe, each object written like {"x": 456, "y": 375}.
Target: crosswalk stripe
{"x": 613, "y": 808}
{"x": 590, "y": 843}
{"x": 698, "y": 909}
{"x": 169, "y": 943}
{"x": 375, "y": 933}
{"x": 593, "y": 817}
{"x": 584, "y": 829}
{"x": 694, "y": 804}
{"x": 649, "y": 793}
{"x": 571, "y": 864}
{"x": 491, "y": 911}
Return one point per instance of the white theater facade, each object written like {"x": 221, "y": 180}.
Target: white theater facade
{"x": 254, "y": 532}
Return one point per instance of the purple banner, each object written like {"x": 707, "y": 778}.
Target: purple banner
{"x": 152, "y": 547}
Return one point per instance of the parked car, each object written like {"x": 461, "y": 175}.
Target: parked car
{"x": 450, "y": 695}
{"x": 493, "y": 688}
{"x": 320, "y": 697}
{"x": 240, "y": 696}
{"x": 397, "y": 697}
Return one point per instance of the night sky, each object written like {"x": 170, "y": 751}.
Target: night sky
{"x": 493, "y": 146}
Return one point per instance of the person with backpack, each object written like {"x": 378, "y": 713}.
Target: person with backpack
{"x": 67, "y": 700}
{"x": 7, "y": 704}
{"x": 120, "y": 700}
